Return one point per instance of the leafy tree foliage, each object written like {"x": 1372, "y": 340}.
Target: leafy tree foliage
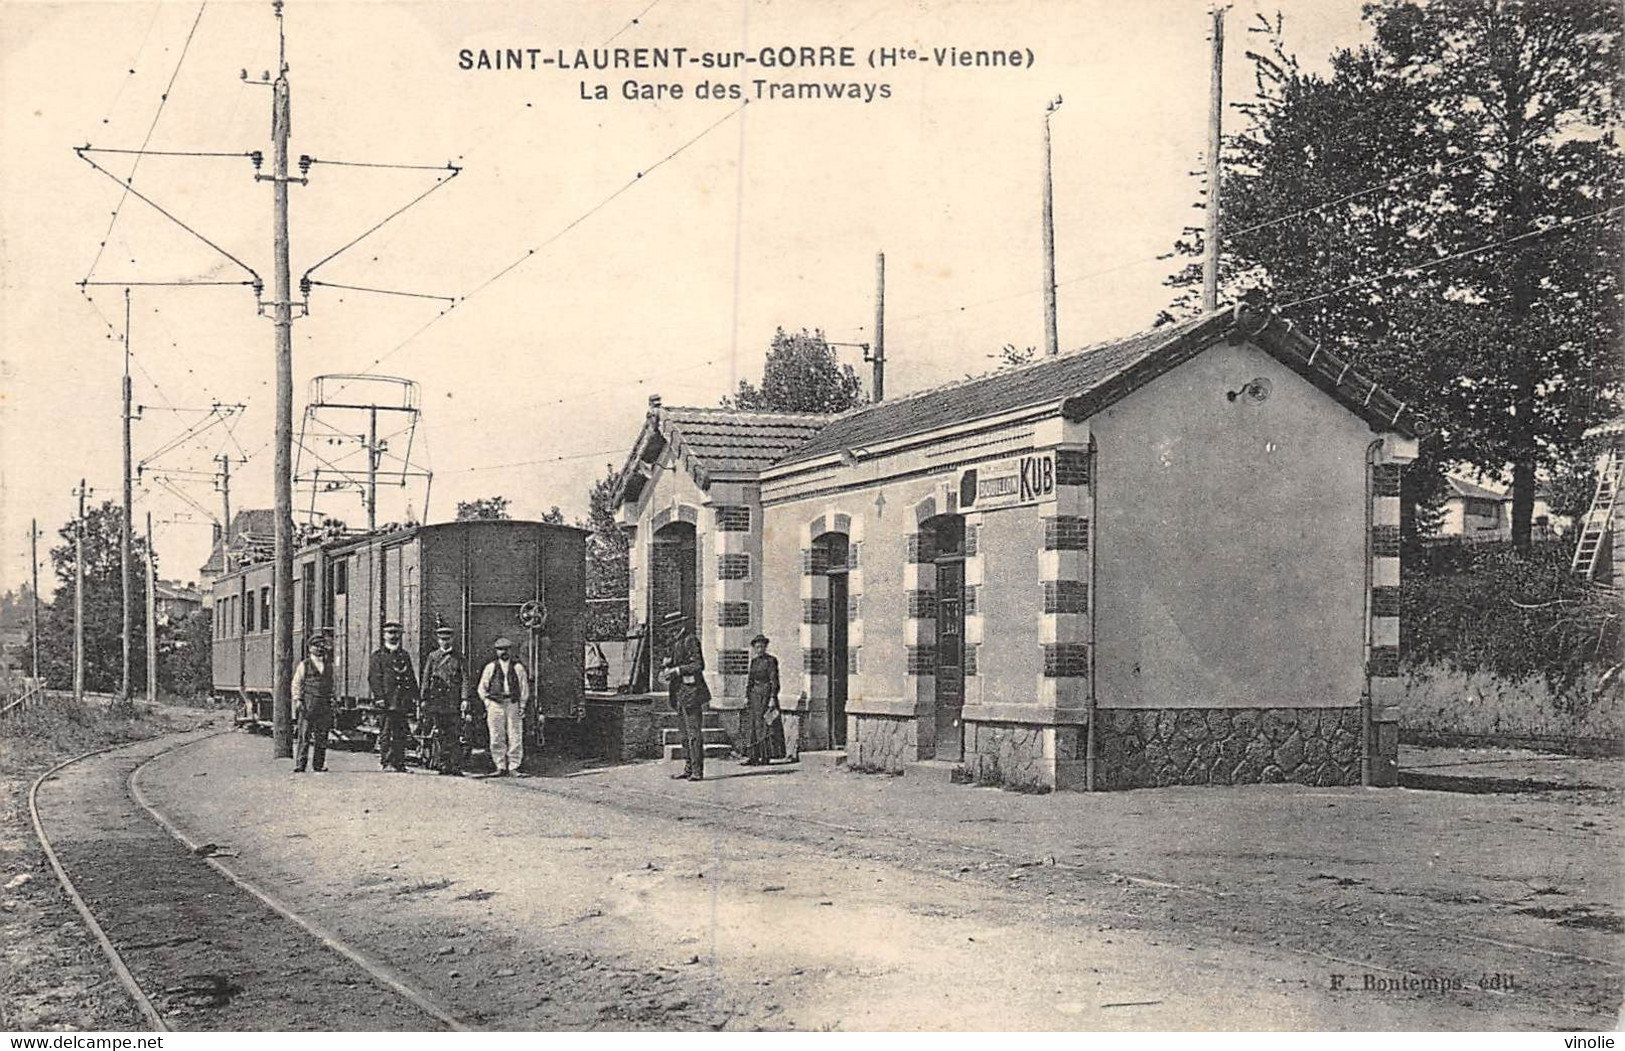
{"x": 608, "y": 551}
{"x": 801, "y": 374}
{"x": 488, "y": 509}
{"x": 1363, "y": 200}
{"x": 103, "y": 607}
{"x": 184, "y": 655}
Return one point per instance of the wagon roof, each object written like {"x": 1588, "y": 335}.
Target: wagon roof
{"x": 1085, "y": 381}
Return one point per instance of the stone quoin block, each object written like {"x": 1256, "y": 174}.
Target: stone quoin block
{"x": 972, "y": 599}
{"x": 922, "y": 660}
{"x": 1385, "y": 479}
{"x": 920, "y": 548}
{"x": 733, "y": 567}
{"x": 1066, "y": 596}
{"x": 1071, "y": 467}
{"x": 853, "y": 607}
{"x": 733, "y": 614}
{"x": 922, "y": 604}
{"x": 1385, "y": 541}
{"x": 815, "y": 611}
{"x": 733, "y": 518}
{"x": 973, "y": 537}
{"x": 815, "y": 661}
{"x": 734, "y": 662}
{"x": 814, "y": 560}
{"x": 852, "y": 660}
{"x": 1384, "y": 602}
{"x": 852, "y": 550}
{"x": 1384, "y": 662}
{"x": 1065, "y": 659}
{"x": 1066, "y": 533}
{"x": 970, "y": 660}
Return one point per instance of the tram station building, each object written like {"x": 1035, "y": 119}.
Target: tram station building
{"x": 1168, "y": 559}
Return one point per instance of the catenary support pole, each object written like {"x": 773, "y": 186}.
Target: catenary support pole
{"x": 152, "y": 619}
{"x": 1052, "y": 341}
{"x": 225, "y": 500}
{"x": 878, "y": 393}
{"x": 79, "y": 599}
{"x": 282, "y": 584}
{"x": 1215, "y": 145}
{"x": 372, "y": 470}
{"x": 33, "y": 554}
{"x": 126, "y": 526}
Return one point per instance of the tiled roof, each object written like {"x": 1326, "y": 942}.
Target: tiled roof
{"x": 1083, "y": 382}
{"x": 1473, "y": 491}
{"x": 1040, "y": 383}
{"x": 727, "y": 441}
{"x": 246, "y": 525}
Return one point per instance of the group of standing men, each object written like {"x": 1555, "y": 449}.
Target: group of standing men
{"x": 504, "y": 688}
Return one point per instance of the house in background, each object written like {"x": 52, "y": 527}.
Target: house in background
{"x": 175, "y": 600}
{"x": 1475, "y": 512}
{"x": 251, "y": 534}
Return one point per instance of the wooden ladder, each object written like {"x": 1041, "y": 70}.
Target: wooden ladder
{"x": 1595, "y": 526}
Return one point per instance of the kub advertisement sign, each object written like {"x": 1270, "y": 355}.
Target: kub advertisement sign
{"x": 1008, "y": 483}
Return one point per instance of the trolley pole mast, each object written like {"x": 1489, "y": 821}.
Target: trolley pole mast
{"x": 224, "y": 461}
{"x": 282, "y": 588}
{"x": 33, "y": 552}
{"x": 126, "y": 525}
{"x": 1215, "y": 144}
{"x": 372, "y": 470}
{"x": 1052, "y": 343}
{"x": 79, "y": 598}
{"x": 152, "y": 619}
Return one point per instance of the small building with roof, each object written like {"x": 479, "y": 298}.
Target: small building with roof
{"x": 1167, "y": 559}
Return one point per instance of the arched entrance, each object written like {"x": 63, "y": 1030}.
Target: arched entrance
{"x": 833, "y": 553}
{"x": 949, "y": 535}
{"x": 673, "y": 581}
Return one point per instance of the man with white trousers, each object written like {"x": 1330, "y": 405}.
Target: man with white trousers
{"x": 505, "y": 690}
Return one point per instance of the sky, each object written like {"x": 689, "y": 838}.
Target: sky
{"x": 593, "y": 253}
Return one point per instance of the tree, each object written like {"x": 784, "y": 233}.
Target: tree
{"x": 103, "y": 623}
{"x": 1452, "y": 153}
{"x": 608, "y": 561}
{"x": 489, "y": 509}
{"x": 185, "y": 664}
{"x": 801, "y": 374}
{"x": 553, "y": 517}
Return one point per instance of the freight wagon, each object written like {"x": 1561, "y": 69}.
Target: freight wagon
{"x": 525, "y": 580}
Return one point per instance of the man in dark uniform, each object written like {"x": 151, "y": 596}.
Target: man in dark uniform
{"x": 312, "y": 705}
{"x": 394, "y": 687}
{"x": 684, "y": 672}
{"x": 445, "y": 702}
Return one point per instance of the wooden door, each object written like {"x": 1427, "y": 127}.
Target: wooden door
{"x": 950, "y": 658}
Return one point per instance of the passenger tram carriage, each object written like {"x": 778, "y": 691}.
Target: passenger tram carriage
{"x": 485, "y": 579}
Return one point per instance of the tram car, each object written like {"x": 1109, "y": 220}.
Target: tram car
{"x": 486, "y": 579}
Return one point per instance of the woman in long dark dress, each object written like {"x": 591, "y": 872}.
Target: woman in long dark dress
{"x": 764, "y": 728}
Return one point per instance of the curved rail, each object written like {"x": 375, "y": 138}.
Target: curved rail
{"x": 126, "y": 979}
{"x": 378, "y": 972}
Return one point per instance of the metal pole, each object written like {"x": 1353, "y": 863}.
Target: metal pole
{"x": 125, "y": 526}
{"x": 225, "y": 497}
{"x": 1215, "y": 143}
{"x": 372, "y": 470}
{"x": 79, "y": 600}
{"x": 282, "y": 588}
{"x": 879, "y": 392}
{"x": 152, "y": 619}
{"x": 33, "y": 554}
{"x": 1052, "y": 343}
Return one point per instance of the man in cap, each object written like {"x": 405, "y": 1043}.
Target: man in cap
{"x": 394, "y": 687}
{"x": 312, "y": 705}
{"x": 683, "y": 671}
{"x": 445, "y": 702}
{"x": 505, "y": 689}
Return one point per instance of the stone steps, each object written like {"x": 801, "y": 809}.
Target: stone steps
{"x": 711, "y": 734}
{"x": 712, "y": 751}
{"x": 932, "y": 771}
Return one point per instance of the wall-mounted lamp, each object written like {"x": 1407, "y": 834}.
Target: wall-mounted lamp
{"x": 1257, "y": 390}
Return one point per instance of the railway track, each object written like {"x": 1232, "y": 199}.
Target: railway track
{"x": 195, "y": 944}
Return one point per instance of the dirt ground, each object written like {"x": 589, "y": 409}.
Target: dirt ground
{"x": 803, "y": 898}
{"x": 54, "y": 975}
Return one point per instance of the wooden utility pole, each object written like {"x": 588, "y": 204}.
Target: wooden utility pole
{"x": 282, "y": 584}
{"x": 225, "y": 496}
{"x": 125, "y": 526}
{"x": 1215, "y": 144}
{"x": 1052, "y": 341}
{"x": 879, "y": 357}
{"x": 372, "y": 470}
{"x": 152, "y": 619}
{"x": 79, "y": 598}
{"x": 33, "y": 554}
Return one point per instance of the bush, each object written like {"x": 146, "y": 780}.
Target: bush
{"x": 1482, "y": 607}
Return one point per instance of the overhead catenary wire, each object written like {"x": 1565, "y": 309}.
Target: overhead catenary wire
{"x": 380, "y": 223}
{"x": 163, "y": 100}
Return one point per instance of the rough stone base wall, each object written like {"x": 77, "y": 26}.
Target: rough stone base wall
{"x": 617, "y": 731}
{"x": 1148, "y": 748}
{"x": 1010, "y": 755}
{"x": 881, "y": 743}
